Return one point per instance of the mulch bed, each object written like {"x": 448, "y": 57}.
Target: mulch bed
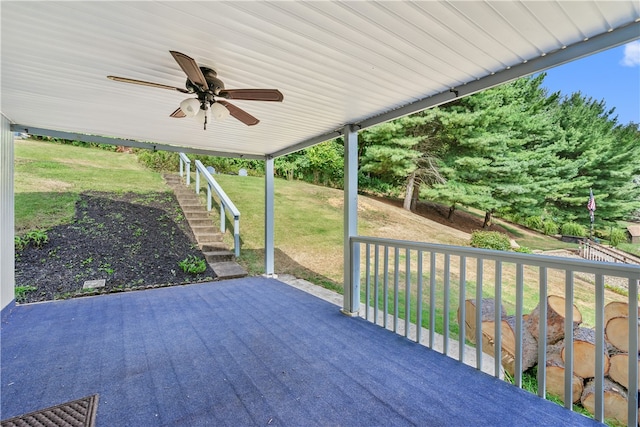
{"x": 133, "y": 241}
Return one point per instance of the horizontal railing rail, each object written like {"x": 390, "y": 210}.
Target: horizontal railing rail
{"x": 226, "y": 205}
{"x": 596, "y": 252}
{"x": 185, "y": 167}
{"x": 407, "y": 284}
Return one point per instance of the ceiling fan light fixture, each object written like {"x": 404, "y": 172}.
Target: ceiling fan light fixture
{"x": 190, "y": 107}
{"x": 202, "y": 114}
{"x": 219, "y": 111}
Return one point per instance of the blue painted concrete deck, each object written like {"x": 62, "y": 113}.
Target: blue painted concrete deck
{"x": 243, "y": 352}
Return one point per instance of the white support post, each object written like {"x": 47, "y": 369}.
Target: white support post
{"x": 269, "y": 212}
{"x": 208, "y": 197}
{"x": 351, "y": 304}
{"x": 236, "y": 236}
{"x": 188, "y": 173}
{"x": 197, "y": 181}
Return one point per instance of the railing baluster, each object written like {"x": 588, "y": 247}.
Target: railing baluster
{"x": 445, "y": 310}
{"x": 386, "y": 287}
{"x": 407, "y": 291}
{"x": 396, "y": 279}
{"x": 542, "y": 334}
{"x": 519, "y": 312}
{"x": 419, "y": 301}
{"x": 432, "y": 299}
{"x": 376, "y": 283}
{"x": 462, "y": 308}
{"x": 633, "y": 350}
{"x": 367, "y": 280}
{"x": 479, "y": 279}
{"x": 600, "y": 349}
{"x": 568, "y": 341}
{"x": 497, "y": 342}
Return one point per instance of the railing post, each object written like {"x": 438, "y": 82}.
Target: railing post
{"x": 208, "y": 196}
{"x": 188, "y": 172}
{"x": 181, "y": 167}
{"x": 351, "y": 304}
{"x": 197, "y": 181}
{"x": 269, "y": 213}
{"x": 222, "y": 218}
{"x": 236, "y": 236}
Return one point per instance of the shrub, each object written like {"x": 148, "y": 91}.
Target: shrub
{"x": 573, "y": 229}
{"x": 19, "y": 243}
{"x": 534, "y": 223}
{"x": 550, "y": 227}
{"x": 37, "y": 237}
{"x": 524, "y": 250}
{"x": 490, "y": 240}
{"x": 617, "y": 236}
{"x": 159, "y": 160}
{"x": 193, "y": 265}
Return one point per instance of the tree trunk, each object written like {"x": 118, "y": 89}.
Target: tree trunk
{"x": 488, "y": 314}
{"x": 619, "y": 369}
{"x": 416, "y": 196}
{"x": 555, "y": 374}
{"x": 617, "y": 333}
{"x": 529, "y": 344}
{"x": 615, "y": 400}
{"x": 555, "y": 319}
{"x": 487, "y": 219}
{"x": 408, "y": 194}
{"x": 584, "y": 353}
{"x": 452, "y": 209}
{"x": 616, "y": 309}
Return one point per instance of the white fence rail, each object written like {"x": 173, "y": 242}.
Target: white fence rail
{"x": 427, "y": 284}
{"x": 226, "y": 205}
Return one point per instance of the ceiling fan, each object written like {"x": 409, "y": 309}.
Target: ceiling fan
{"x": 204, "y": 83}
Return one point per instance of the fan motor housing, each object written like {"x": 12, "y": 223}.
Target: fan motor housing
{"x": 210, "y": 75}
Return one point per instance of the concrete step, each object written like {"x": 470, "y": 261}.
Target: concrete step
{"x": 199, "y": 230}
{"x": 197, "y": 214}
{"x": 204, "y": 239}
{"x": 228, "y": 270}
{"x": 199, "y": 222}
{"x": 191, "y": 206}
{"x": 214, "y": 246}
{"x": 213, "y": 257}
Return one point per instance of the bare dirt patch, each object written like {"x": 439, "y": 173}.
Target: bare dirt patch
{"x": 132, "y": 241}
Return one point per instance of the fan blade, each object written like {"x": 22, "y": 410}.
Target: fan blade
{"x": 253, "y": 94}
{"x": 143, "y": 83}
{"x": 178, "y": 114}
{"x": 190, "y": 68}
{"x": 240, "y": 114}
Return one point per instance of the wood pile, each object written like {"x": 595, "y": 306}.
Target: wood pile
{"x": 616, "y": 352}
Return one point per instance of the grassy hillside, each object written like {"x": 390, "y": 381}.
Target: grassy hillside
{"x": 49, "y": 177}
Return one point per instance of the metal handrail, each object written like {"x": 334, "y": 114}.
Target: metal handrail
{"x": 226, "y": 205}
{"x": 185, "y": 162}
{"x": 419, "y": 281}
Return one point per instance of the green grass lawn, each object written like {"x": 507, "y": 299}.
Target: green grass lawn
{"x": 49, "y": 177}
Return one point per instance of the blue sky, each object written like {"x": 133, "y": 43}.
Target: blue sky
{"x": 612, "y": 75}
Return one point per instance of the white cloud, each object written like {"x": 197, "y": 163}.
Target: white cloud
{"x": 631, "y": 54}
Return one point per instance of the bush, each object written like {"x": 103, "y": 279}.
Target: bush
{"x": 573, "y": 229}
{"x": 534, "y": 223}
{"x": 524, "y": 250}
{"x": 490, "y": 240}
{"x": 159, "y": 160}
{"x": 193, "y": 265}
{"x": 550, "y": 227}
{"x": 617, "y": 236}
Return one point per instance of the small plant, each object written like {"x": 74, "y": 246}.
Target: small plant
{"x": 87, "y": 261}
{"x": 37, "y": 237}
{"x": 106, "y": 267}
{"x": 22, "y": 291}
{"x": 523, "y": 250}
{"x": 534, "y": 223}
{"x": 193, "y": 265}
{"x": 19, "y": 243}
{"x": 490, "y": 240}
{"x": 573, "y": 229}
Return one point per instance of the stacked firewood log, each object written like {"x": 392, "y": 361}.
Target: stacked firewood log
{"x": 616, "y": 352}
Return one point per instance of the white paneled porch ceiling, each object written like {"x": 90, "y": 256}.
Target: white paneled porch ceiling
{"x": 336, "y": 63}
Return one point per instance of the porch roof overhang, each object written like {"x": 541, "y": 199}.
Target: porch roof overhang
{"x": 336, "y": 63}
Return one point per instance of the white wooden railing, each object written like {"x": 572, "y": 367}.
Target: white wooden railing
{"x": 226, "y": 205}
{"x": 404, "y": 282}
